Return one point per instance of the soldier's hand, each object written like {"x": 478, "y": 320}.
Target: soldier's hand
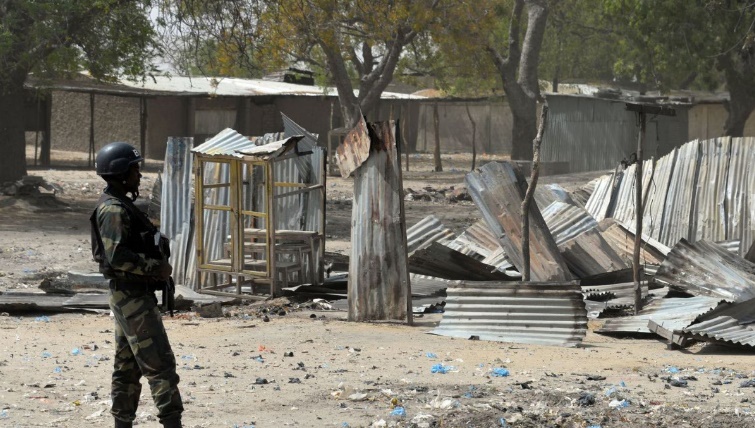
{"x": 164, "y": 270}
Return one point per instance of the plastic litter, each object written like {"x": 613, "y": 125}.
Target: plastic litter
{"x": 672, "y": 369}
{"x": 499, "y": 372}
{"x": 431, "y": 355}
{"x": 75, "y": 351}
{"x": 399, "y": 411}
{"x": 46, "y": 354}
{"x": 4, "y": 414}
{"x": 616, "y": 404}
{"x": 42, "y": 318}
{"x": 440, "y": 368}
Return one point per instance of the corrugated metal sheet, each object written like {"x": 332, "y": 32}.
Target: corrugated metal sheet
{"x": 599, "y": 203}
{"x": 700, "y": 191}
{"x": 176, "y": 208}
{"x": 593, "y": 133}
{"x": 731, "y": 324}
{"x": 292, "y": 128}
{"x": 711, "y": 218}
{"x": 477, "y": 241}
{"x": 652, "y": 220}
{"x": 535, "y": 313}
{"x": 671, "y": 313}
{"x": 428, "y": 230}
{"x": 210, "y": 86}
{"x": 622, "y": 241}
{"x": 680, "y": 194}
{"x": 425, "y": 285}
{"x": 379, "y": 286}
{"x": 443, "y": 262}
{"x": 567, "y": 221}
{"x": 498, "y": 190}
{"x": 226, "y": 143}
{"x": 704, "y": 268}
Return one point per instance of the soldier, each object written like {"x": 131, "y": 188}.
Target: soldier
{"x": 127, "y": 246}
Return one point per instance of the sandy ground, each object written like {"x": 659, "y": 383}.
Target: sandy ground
{"x": 306, "y": 366}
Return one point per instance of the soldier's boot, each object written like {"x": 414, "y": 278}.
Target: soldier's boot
{"x": 172, "y": 423}
{"x": 121, "y": 424}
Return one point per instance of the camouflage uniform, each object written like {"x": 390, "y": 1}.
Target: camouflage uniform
{"x": 141, "y": 344}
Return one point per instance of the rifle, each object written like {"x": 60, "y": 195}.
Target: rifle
{"x": 169, "y": 298}
{"x": 169, "y": 286}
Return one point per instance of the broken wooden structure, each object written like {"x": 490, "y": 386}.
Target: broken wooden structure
{"x": 259, "y": 215}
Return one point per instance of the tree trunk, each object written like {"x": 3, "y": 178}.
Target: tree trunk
{"x": 519, "y": 74}
{"x": 740, "y": 81}
{"x": 12, "y": 137}
{"x": 524, "y": 129}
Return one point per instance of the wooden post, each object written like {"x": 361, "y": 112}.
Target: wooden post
{"x": 642, "y": 111}
{"x": 534, "y": 175}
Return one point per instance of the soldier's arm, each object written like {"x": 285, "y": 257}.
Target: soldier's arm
{"x": 115, "y": 228}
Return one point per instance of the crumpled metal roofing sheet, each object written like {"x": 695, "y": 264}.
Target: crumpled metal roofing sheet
{"x": 704, "y": 268}
{"x": 550, "y": 313}
{"x": 428, "y": 230}
{"x": 599, "y": 203}
{"x": 292, "y": 128}
{"x": 440, "y": 261}
{"x": 225, "y": 143}
{"x": 566, "y": 221}
{"x": 477, "y": 241}
{"x": 733, "y": 324}
{"x": 672, "y": 313}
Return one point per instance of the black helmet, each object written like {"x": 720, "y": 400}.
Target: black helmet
{"x": 116, "y": 158}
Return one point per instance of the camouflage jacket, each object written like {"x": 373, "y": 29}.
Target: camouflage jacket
{"x": 128, "y": 245}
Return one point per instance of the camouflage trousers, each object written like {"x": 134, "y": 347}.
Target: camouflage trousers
{"x": 142, "y": 349}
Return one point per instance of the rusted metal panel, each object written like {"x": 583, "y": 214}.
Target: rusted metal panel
{"x": 498, "y": 190}
{"x": 443, "y": 262}
{"x": 354, "y": 150}
{"x": 730, "y": 324}
{"x": 671, "y": 313}
{"x": 545, "y": 313}
{"x": 589, "y": 254}
{"x": 705, "y": 269}
{"x": 378, "y": 270}
{"x": 428, "y": 230}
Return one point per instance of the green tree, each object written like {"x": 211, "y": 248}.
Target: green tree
{"x": 351, "y": 44}
{"x": 48, "y": 37}
{"x": 690, "y": 43}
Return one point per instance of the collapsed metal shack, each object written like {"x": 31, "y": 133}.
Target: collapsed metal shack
{"x": 379, "y": 287}
{"x": 259, "y": 214}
